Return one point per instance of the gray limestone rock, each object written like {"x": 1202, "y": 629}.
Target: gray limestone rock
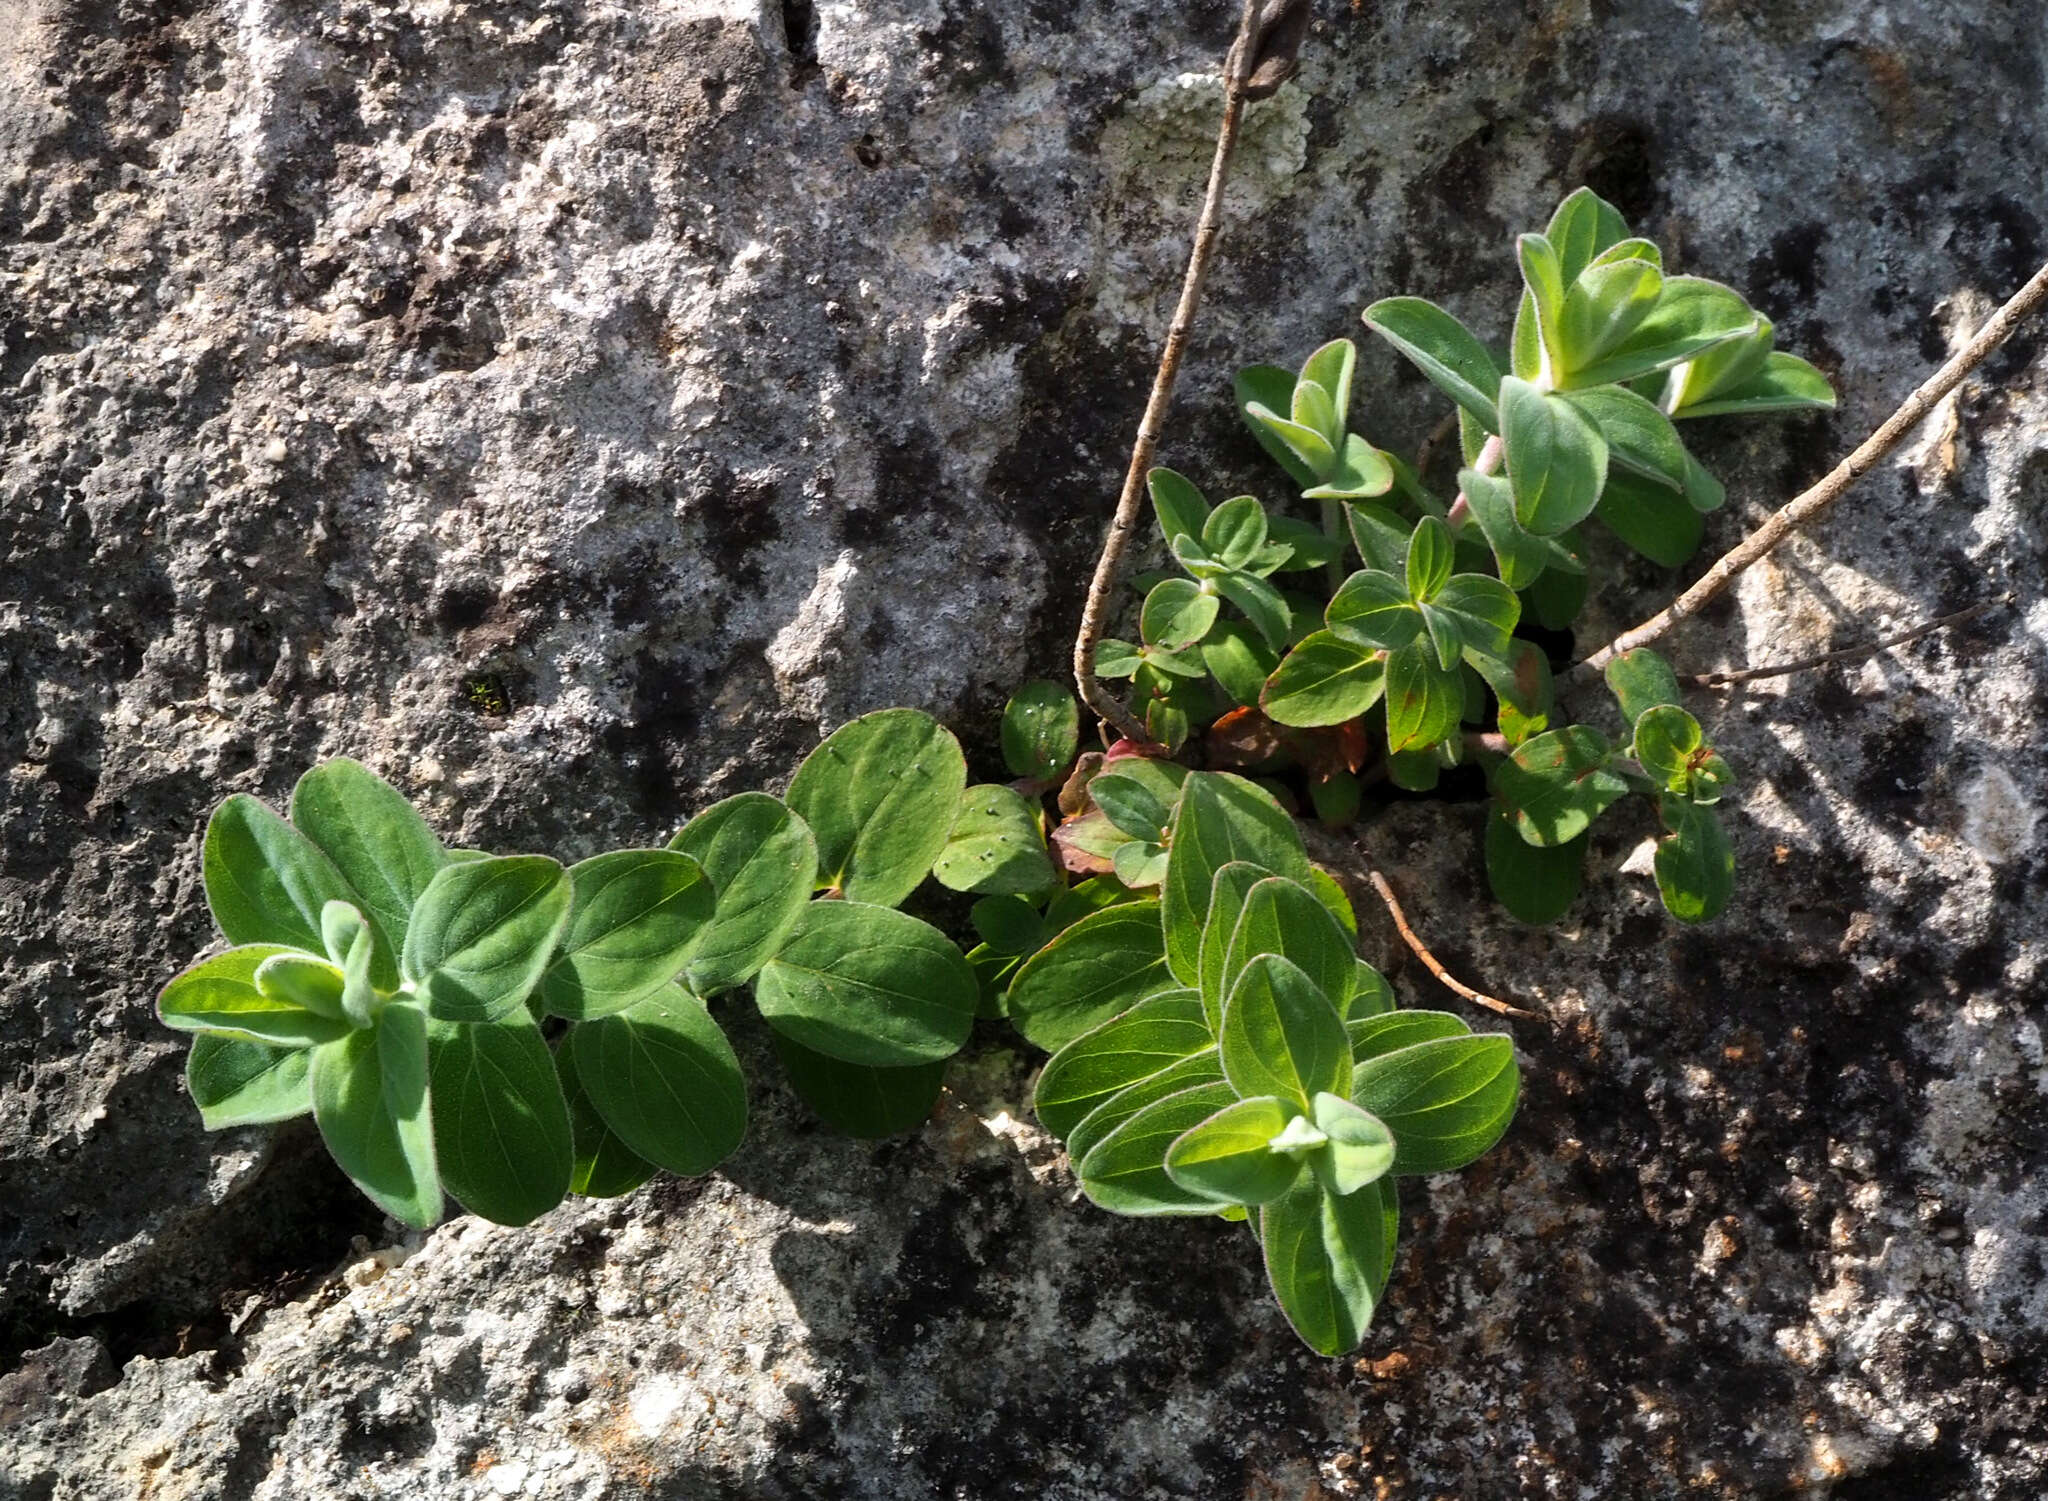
{"x": 573, "y": 407}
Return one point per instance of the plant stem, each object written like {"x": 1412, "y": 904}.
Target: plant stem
{"x": 1847, "y": 653}
{"x": 1109, "y": 566}
{"x": 1811, "y": 502}
{"x": 1429, "y": 960}
{"x": 1333, "y": 528}
{"x": 1486, "y": 463}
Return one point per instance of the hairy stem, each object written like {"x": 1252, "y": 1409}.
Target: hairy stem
{"x": 1109, "y": 566}
{"x": 1811, "y": 502}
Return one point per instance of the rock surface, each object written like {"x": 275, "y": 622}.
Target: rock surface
{"x": 573, "y": 408}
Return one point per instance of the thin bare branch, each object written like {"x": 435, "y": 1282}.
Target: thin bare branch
{"x": 1811, "y": 502}
{"x": 1243, "y": 58}
{"x": 1847, "y": 653}
{"x": 1429, "y": 960}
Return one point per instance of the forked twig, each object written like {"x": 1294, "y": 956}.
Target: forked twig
{"x": 1429, "y": 960}
{"x": 1817, "y": 498}
{"x": 1237, "y": 73}
{"x": 1847, "y": 653}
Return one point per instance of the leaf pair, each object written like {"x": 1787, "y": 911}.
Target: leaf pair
{"x": 1301, "y": 420}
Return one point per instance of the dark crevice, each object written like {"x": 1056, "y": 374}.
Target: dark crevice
{"x": 800, "y": 35}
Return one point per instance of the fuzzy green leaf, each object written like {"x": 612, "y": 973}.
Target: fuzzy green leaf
{"x": 1271, "y": 387}
{"x": 1094, "y": 970}
{"x": 266, "y": 881}
{"x": 869, "y": 985}
{"x": 1640, "y": 680}
{"x": 1281, "y": 1035}
{"x": 1220, "y": 818}
{"x": 1374, "y": 609}
{"x": 1326, "y": 1258}
{"x": 605, "y": 1167}
{"x": 1330, "y": 367}
{"x": 1137, "y": 793}
{"x": 879, "y": 795}
{"x": 1360, "y": 1149}
{"x": 501, "y": 1126}
{"x": 1177, "y": 614}
{"x": 632, "y": 921}
{"x": 1661, "y": 525}
{"x": 1443, "y": 349}
{"x": 1424, "y": 699}
{"x": 1640, "y": 438}
{"x": 664, "y": 1080}
{"x": 1283, "y": 917}
{"x": 1325, "y": 680}
{"x": 482, "y": 933}
{"x": 1557, "y": 460}
{"x": 1786, "y": 383}
{"x": 370, "y": 1100}
{"x": 1390, "y": 1031}
{"x": 1536, "y": 883}
{"x": 1555, "y": 785}
{"x": 1235, "y": 531}
{"x": 1359, "y": 470}
{"x": 1584, "y": 226}
{"x": 1229, "y": 1158}
{"x": 1695, "y": 863}
{"x": 1446, "y": 1101}
{"x": 220, "y": 995}
{"x": 235, "y": 1082}
{"x": 1041, "y": 730}
{"x": 859, "y": 1100}
{"x": 995, "y": 847}
{"x": 1197, "y": 1069}
{"x": 762, "y": 864}
{"x": 1181, "y": 510}
{"x": 381, "y": 846}
{"x": 1521, "y": 555}
{"x": 1692, "y": 315}
{"x": 1239, "y": 659}
{"x": 1157, "y": 1033}
{"x": 1125, "y": 1170}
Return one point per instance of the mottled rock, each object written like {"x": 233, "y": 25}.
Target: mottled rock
{"x": 572, "y": 409}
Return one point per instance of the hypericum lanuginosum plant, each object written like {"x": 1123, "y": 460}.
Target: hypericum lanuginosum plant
{"x": 1412, "y": 664}
{"x": 509, "y": 1030}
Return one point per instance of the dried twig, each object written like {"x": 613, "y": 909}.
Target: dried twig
{"x": 1244, "y": 61}
{"x": 1847, "y": 653}
{"x": 1429, "y": 960}
{"x": 1803, "y": 508}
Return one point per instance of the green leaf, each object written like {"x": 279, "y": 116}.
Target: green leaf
{"x": 1283, "y": 917}
{"x": 763, "y": 865}
{"x": 370, "y": 1101}
{"x": 1314, "y": 451}
{"x": 1381, "y": 538}
{"x": 1543, "y": 275}
{"x": 235, "y": 1082}
{"x": 605, "y": 1167}
{"x": 1639, "y": 438}
{"x": 1695, "y": 863}
{"x": 1557, "y": 460}
{"x": 1360, "y": 1149}
{"x": 1371, "y": 995}
{"x": 1235, "y": 531}
{"x": 1117, "y": 659}
{"x": 1271, "y": 387}
{"x": 1703, "y": 492}
{"x": 1666, "y": 741}
{"x": 1485, "y": 610}
{"x": 869, "y": 985}
{"x": 1526, "y": 693}
{"x": 1326, "y": 680}
{"x": 1041, "y": 730}
{"x": 1429, "y": 559}
{"x": 880, "y": 794}
{"x": 1521, "y": 555}
{"x": 1197, "y": 1069}
{"x": 1556, "y": 598}
{"x": 1442, "y": 349}
{"x": 1325, "y": 1257}
{"x": 1554, "y": 786}
{"x": 1157, "y": 1033}
{"x": 1229, "y": 1157}
{"x": 1220, "y": 818}
{"x": 1692, "y": 315}
{"x": 220, "y": 995}
{"x": 1177, "y": 614}
{"x": 1358, "y": 470}
{"x": 1125, "y": 1171}
{"x": 1446, "y": 1101}
{"x": 633, "y": 918}
{"x": 265, "y": 881}
{"x": 348, "y": 935}
{"x": 859, "y": 1100}
{"x": 1607, "y": 304}
{"x": 1139, "y": 863}
{"x": 1101, "y": 966}
{"x": 501, "y": 1127}
{"x": 1239, "y": 659}
{"x": 1424, "y": 699}
{"x": 1307, "y": 546}
{"x": 1009, "y": 925}
{"x": 1232, "y": 883}
{"x": 301, "y": 980}
{"x": 995, "y": 846}
{"x": 1313, "y": 409}
{"x": 1181, "y": 510}
{"x": 1786, "y": 383}
{"x": 382, "y": 848}
{"x": 1664, "y": 527}
{"x": 664, "y": 1080}
{"x": 1374, "y": 1036}
{"x": 1137, "y": 793}
{"x": 1536, "y": 883}
{"x": 1728, "y": 364}
{"x": 1373, "y": 609}
{"x": 1281, "y": 1035}
{"x": 1640, "y": 680}
{"x": 1262, "y": 605}
{"x": 1330, "y": 367}
{"x": 1583, "y": 227}
{"x": 482, "y": 933}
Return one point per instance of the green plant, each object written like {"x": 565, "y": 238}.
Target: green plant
{"x": 1415, "y": 654}
{"x": 511, "y": 1030}
{"x": 1218, "y": 1047}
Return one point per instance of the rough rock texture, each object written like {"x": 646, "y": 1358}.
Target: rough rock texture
{"x": 573, "y": 406}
